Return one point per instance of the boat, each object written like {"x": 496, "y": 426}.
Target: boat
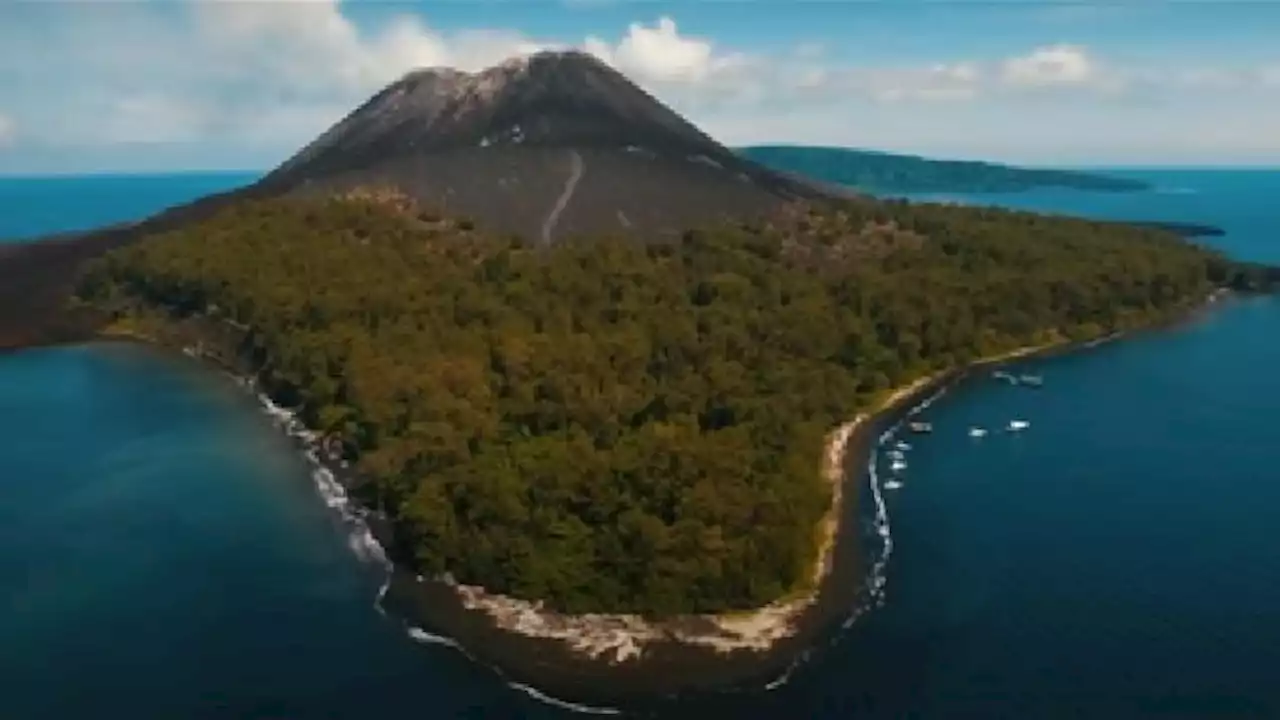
{"x": 903, "y": 446}
{"x": 895, "y": 454}
{"x": 1032, "y": 380}
{"x": 1007, "y": 377}
{"x": 892, "y": 485}
{"x": 920, "y": 427}
{"x": 977, "y": 432}
{"x": 1016, "y": 425}
{"x": 898, "y": 466}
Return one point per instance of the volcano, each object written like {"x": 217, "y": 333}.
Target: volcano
{"x": 543, "y": 146}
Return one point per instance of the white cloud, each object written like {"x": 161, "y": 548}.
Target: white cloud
{"x": 660, "y": 54}
{"x": 1053, "y": 66}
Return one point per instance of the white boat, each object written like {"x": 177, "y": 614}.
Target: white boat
{"x": 898, "y": 465}
{"x": 977, "y": 432}
{"x": 1016, "y": 425}
{"x": 892, "y": 485}
{"x": 904, "y": 446}
{"x": 895, "y": 455}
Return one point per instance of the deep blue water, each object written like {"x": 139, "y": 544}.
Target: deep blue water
{"x": 37, "y": 206}
{"x": 163, "y": 552}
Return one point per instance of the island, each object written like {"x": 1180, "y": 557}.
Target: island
{"x": 891, "y": 174}
{"x": 611, "y": 446}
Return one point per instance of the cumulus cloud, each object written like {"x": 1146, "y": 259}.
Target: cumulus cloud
{"x": 1052, "y": 66}
{"x": 661, "y": 54}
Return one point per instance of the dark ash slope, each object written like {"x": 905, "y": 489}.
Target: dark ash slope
{"x": 502, "y": 146}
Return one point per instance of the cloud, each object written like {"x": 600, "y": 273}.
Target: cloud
{"x": 1053, "y": 66}
{"x": 660, "y": 54}
{"x": 246, "y": 83}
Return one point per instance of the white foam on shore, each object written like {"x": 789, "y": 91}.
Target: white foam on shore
{"x": 426, "y": 638}
{"x": 542, "y": 697}
{"x": 873, "y": 588}
{"x": 360, "y": 538}
{"x": 382, "y": 593}
{"x": 877, "y": 576}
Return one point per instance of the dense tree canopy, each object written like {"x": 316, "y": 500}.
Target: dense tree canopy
{"x": 615, "y": 426}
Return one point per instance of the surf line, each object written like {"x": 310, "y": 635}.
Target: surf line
{"x": 873, "y": 594}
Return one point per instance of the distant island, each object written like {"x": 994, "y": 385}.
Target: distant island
{"x": 886, "y": 173}
{"x": 593, "y": 377}
{"x": 1190, "y": 230}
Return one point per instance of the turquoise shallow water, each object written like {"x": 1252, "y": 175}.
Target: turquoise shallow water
{"x": 163, "y": 552}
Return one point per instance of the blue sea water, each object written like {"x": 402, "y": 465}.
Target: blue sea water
{"x": 42, "y": 205}
{"x": 163, "y": 552}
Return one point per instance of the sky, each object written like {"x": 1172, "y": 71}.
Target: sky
{"x": 92, "y": 86}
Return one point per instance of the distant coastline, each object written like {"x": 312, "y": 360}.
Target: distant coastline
{"x": 877, "y": 172}
{"x": 636, "y": 660}
{"x": 1182, "y": 229}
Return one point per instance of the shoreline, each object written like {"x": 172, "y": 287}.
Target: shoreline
{"x": 549, "y": 657}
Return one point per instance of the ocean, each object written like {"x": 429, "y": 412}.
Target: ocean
{"x": 164, "y": 551}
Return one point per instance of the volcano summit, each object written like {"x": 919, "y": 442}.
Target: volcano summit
{"x": 554, "y": 144}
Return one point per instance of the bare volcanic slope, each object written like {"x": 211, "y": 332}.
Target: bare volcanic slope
{"x": 541, "y": 146}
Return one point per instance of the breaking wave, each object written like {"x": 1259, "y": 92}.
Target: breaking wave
{"x": 426, "y": 638}
{"x": 359, "y": 537}
{"x": 542, "y": 697}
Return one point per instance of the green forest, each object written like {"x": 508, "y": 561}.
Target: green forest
{"x": 614, "y": 426}
{"x": 879, "y": 172}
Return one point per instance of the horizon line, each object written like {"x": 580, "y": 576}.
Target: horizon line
{"x": 1134, "y": 167}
